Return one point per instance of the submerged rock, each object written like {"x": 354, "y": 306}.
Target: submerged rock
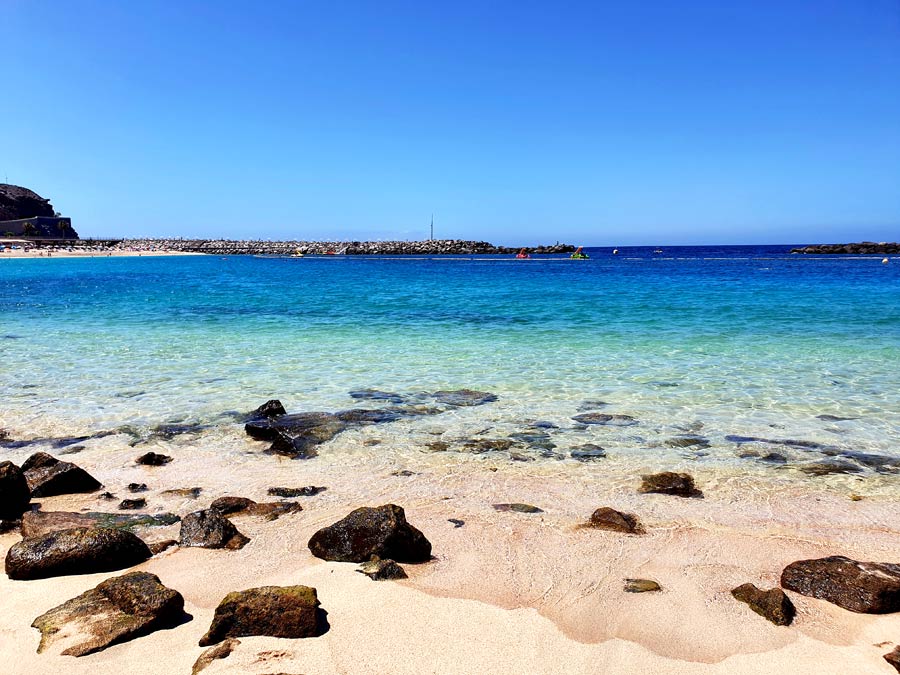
{"x": 74, "y": 551}
{"x": 48, "y": 477}
{"x": 773, "y": 604}
{"x": 307, "y": 491}
{"x": 36, "y": 523}
{"x": 219, "y": 651}
{"x": 606, "y": 518}
{"x": 376, "y": 395}
{"x": 828, "y": 467}
{"x": 588, "y": 452}
{"x": 687, "y": 442}
{"x": 296, "y": 435}
{"x": 15, "y": 495}
{"x": 153, "y": 459}
{"x": 380, "y": 570}
{"x": 367, "y": 531}
{"x": 480, "y": 445}
{"x": 518, "y": 508}
{"x": 275, "y": 611}
{"x": 188, "y": 493}
{"x": 117, "y": 610}
{"x": 208, "y": 529}
{"x": 835, "y": 418}
{"x": 670, "y": 483}
{"x": 865, "y": 587}
{"x": 226, "y": 505}
{"x": 641, "y": 586}
{"x": 606, "y": 420}
{"x": 460, "y": 398}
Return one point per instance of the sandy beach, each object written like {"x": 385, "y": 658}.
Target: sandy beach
{"x": 79, "y": 253}
{"x": 505, "y": 592}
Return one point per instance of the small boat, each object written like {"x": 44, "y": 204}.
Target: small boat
{"x": 522, "y": 255}
{"x": 297, "y": 253}
{"x": 658, "y": 250}
{"x": 580, "y": 254}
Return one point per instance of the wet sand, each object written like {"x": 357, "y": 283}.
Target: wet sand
{"x": 506, "y": 592}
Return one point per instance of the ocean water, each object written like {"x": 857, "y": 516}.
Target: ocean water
{"x": 711, "y": 342}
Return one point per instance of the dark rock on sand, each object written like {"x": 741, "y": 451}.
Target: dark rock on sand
{"x": 208, "y": 529}
{"x": 378, "y": 569}
{"x": 160, "y": 546}
{"x": 106, "y": 496}
{"x": 588, "y": 452}
{"x": 132, "y": 504}
{"x": 187, "y": 493}
{"x": 240, "y": 506}
{"x": 773, "y": 604}
{"x": 606, "y": 518}
{"x": 75, "y": 551}
{"x": 404, "y": 473}
{"x": 137, "y": 487}
{"x": 893, "y": 657}
{"x": 307, "y": 491}
{"x": 456, "y": 522}
{"x": 641, "y": 586}
{"x": 226, "y": 505}
{"x": 14, "y": 492}
{"x": 670, "y": 483}
{"x": 117, "y": 610}
{"x": 517, "y": 508}
{"x": 606, "y": 420}
{"x": 276, "y": 611}
{"x": 219, "y": 651}
{"x": 463, "y": 397}
{"x": 865, "y": 587}
{"x": 47, "y": 477}
{"x": 36, "y": 523}
{"x": 368, "y": 531}
{"x": 153, "y": 459}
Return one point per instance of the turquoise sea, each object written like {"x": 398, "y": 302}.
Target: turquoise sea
{"x": 712, "y": 342}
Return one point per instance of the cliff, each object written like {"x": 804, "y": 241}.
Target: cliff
{"x": 17, "y": 202}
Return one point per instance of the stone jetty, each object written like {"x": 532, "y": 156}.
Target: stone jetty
{"x": 261, "y": 247}
{"x": 863, "y": 247}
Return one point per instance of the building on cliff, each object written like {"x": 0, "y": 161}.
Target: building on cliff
{"x": 25, "y": 214}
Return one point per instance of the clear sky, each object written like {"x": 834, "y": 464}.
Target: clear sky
{"x": 597, "y": 123}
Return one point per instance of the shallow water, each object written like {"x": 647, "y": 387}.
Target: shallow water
{"x": 711, "y": 342}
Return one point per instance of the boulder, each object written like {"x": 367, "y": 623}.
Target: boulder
{"x": 368, "y": 531}
{"x": 670, "y": 483}
{"x": 208, "y": 529}
{"x": 275, "y": 611}
{"x": 219, "y": 651}
{"x": 117, "y": 610}
{"x": 588, "y": 452}
{"x": 132, "y": 504}
{"x": 773, "y": 604}
{"x": 36, "y": 523}
{"x": 460, "y": 398}
{"x": 75, "y": 551}
{"x": 153, "y": 459}
{"x": 225, "y": 505}
{"x": 893, "y": 657}
{"x": 865, "y": 587}
{"x": 271, "y": 408}
{"x": 137, "y": 487}
{"x": 380, "y": 570}
{"x": 606, "y": 518}
{"x": 297, "y": 435}
{"x": 47, "y": 477}
{"x": 14, "y": 492}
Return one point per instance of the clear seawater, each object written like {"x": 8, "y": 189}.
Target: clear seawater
{"x": 713, "y": 341}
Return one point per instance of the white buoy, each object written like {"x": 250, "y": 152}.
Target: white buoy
{"x": 615, "y": 251}
{"x": 884, "y": 261}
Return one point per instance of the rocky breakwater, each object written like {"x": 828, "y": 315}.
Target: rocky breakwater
{"x": 260, "y": 247}
{"x": 863, "y": 247}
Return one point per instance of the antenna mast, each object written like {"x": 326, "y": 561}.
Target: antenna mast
{"x": 431, "y": 238}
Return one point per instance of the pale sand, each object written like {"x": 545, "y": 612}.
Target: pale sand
{"x": 39, "y": 253}
{"x": 508, "y": 592}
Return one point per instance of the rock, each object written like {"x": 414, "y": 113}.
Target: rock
{"x": 456, "y": 522}
{"x": 588, "y": 452}
{"x": 106, "y": 496}
{"x": 36, "y": 523}
{"x": 225, "y": 505}
{"x": 587, "y": 406}
{"x": 543, "y": 424}
{"x": 48, "y": 477}
{"x": 606, "y": 420}
{"x": 518, "y": 508}
{"x": 276, "y": 611}
{"x": 376, "y": 395}
{"x": 865, "y": 587}
{"x": 308, "y": 491}
{"x": 480, "y": 445}
{"x": 18, "y": 202}
{"x": 773, "y": 604}
{"x": 132, "y": 504}
{"x": 269, "y": 409}
{"x": 368, "y": 531}
{"x": 159, "y": 546}
{"x": 363, "y": 417}
{"x": 153, "y": 459}
{"x": 835, "y": 418}
{"x": 298, "y": 435}
{"x": 208, "y": 529}
{"x": 187, "y": 493}
{"x": 606, "y": 518}
{"x": 404, "y": 473}
{"x": 641, "y": 586}
{"x": 117, "y": 610}
{"x": 137, "y": 487}
{"x": 670, "y": 483}
{"x": 828, "y": 467}
{"x": 219, "y": 651}
{"x": 438, "y": 446}
{"x": 687, "y": 442}
{"x": 14, "y": 492}
{"x": 74, "y": 551}
{"x": 380, "y": 570}
{"x": 893, "y": 657}
{"x": 463, "y": 397}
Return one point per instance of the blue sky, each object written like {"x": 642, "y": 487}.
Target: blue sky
{"x": 600, "y": 123}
